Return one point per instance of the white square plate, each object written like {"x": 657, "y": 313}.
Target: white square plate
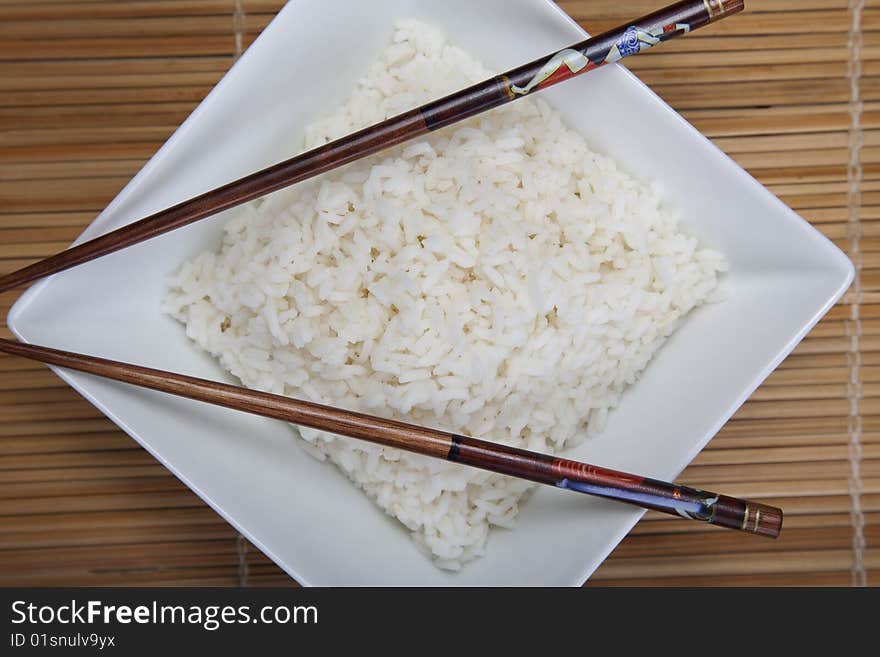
{"x": 304, "y": 514}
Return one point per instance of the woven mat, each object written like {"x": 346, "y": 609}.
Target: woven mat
{"x": 90, "y": 89}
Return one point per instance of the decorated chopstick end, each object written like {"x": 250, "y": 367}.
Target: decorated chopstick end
{"x": 718, "y": 9}
{"x": 747, "y": 516}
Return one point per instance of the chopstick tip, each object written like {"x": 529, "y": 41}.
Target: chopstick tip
{"x": 733, "y": 6}
{"x": 768, "y": 521}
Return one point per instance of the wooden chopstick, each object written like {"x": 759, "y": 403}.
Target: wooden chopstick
{"x": 542, "y": 468}
{"x": 629, "y": 39}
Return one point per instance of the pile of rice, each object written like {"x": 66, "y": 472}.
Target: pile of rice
{"x": 498, "y": 279}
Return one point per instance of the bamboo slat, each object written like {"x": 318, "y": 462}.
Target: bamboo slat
{"x": 759, "y": 563}
{"x": 837, "y": 578}
{"x": 89, "y": 90}
{"x": 31, "y": 490}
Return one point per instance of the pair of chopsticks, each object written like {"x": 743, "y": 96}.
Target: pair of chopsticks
{"x": 643, "y": 33}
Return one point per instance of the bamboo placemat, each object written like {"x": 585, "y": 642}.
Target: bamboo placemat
{"x": 791, "y": 89}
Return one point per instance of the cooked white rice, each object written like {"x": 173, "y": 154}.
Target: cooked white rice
{"x": 497, "y": 279}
